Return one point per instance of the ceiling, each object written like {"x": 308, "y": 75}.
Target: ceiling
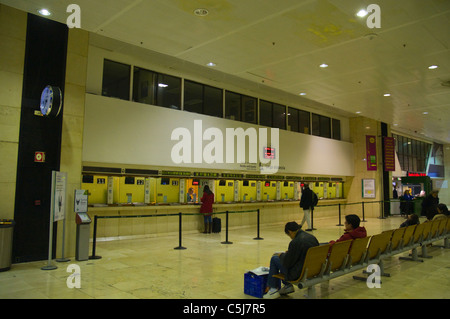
{"x": 281, "y": 44}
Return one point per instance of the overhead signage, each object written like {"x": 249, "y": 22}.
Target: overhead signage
{"x": 175, "y": 173}
{"x": 205, "y": 174}
{"x": 229, "y": 175}
{"x": 414, "y": 174}
{"x": 389, "y": 154}
{"x": 371, "y": 152}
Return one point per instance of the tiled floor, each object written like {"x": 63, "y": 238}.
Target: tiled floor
{"x": 151, "y": 268}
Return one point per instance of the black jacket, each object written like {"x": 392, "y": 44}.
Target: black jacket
{"x": 294, "y": 258}
{"x": 308, "y": 198}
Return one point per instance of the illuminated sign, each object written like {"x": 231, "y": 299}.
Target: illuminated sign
{"x": 413, "y": 174}
{"x": 269, "y": 153}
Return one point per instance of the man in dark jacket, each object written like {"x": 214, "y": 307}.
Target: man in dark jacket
{"x": 289, "y": 263}
{"x": 429, "y": 204}
{"x": 307, "y": 202}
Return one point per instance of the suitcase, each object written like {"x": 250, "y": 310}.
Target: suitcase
{"x": 216, "y": 225}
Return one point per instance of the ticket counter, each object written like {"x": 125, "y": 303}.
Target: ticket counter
{"x": 162, "y": 190}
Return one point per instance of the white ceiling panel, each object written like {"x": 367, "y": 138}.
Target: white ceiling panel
{"x": 279, "y": 45}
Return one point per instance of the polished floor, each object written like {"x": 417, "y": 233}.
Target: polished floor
{"x": 150, "y": 268}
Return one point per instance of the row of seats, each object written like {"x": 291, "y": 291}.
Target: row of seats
{"x": 347, "y": 256}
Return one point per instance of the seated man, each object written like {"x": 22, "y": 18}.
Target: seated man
{"x": 289, "y": 263}
{"x": 352, "y": 229}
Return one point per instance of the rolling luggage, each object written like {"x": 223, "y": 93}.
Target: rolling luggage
{"x": 216, "y": 225}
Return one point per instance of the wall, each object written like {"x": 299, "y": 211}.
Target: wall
{"x": 72, "y": 129}
{"x": 123, "y": 132}
{"x": 13, "y": 25}
{"x": 359, "y": 128}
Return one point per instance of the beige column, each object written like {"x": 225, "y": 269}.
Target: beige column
{"x": 13, "y": 29}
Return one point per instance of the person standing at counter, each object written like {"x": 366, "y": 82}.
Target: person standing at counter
{"x": 190, "y": 194}
{"x": 406, "y": 204}
{"x": 206, "y": 208}
{"x": 307, "y": 202}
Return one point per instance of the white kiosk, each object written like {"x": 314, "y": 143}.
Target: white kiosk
{"x": 83, "y": 222}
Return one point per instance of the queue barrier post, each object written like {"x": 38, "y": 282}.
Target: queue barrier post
{"x": 363, "y": 218}
{"x": 180, "y": 247}
{"x": 257, "y": 225}
{"x": 94, "y": 240}
{"x": 340, "y": 224}
{"x": 226, "y": 230}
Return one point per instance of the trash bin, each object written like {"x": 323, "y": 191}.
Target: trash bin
{"x": 6, "y": 239}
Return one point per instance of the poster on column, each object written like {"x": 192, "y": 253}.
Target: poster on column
{"x": 368, "y": 188}
{"x": 59, "y": 191}
{"x": 371, "y": 152}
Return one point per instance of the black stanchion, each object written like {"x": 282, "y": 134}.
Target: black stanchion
{"x": 363, "y": 219}
{"x": 180, "y": 247}
{"x": 257, "y": 236}
{"x": 340, "y": 224}
{"x": 226, "y": 231}
{"x": 94, "y": 240}
{"x": 381, "y": 210}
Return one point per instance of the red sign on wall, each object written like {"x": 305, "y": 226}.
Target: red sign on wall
{"x": 371, "y": 152}
{"x": 39, "y": 157}
{"x": 389, "y": 154}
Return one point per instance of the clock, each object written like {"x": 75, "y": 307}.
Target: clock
{"x": 51, "y": 101}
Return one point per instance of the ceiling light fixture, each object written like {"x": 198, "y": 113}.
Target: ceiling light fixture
{"x": 362, "y": 13}
{"x": 303, "y": 93}
{"x": 425, "y": 113}
{"x": 201, "y": 12}
{"x": 44, "y": 12}
{"x": 358, "y": 112}
{"x": 211, "y": 64}
{"x": 387, "y": 94}
{"x": 323, "y": 65}
{"x": 432, "y": 67}
{"x": 162, "y": 85}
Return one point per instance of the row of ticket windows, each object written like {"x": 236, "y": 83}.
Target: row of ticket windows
{"x": 165, "y": 190}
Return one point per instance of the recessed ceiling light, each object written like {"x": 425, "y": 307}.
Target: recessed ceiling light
{"x": 425, "y": 113}
{"x": 362, "y": 13}
{"x": 432, "y": 67}
{"x": 201, "y": 12}
{"x": 44, "y": 12}
{"x": 303, "y": 93}
{"x": 211, "y": 64}
{"x": 358, "y": 112}
{"x": 387, "y": 94}
{"x": 323, "y": 65}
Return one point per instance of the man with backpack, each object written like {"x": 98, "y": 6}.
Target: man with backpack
{"x": 307, "y": 202}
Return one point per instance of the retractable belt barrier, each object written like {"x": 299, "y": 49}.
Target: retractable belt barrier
{"x": 179, "y": 247}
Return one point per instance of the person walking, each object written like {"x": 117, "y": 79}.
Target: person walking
{"x": 307, "y": 202}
